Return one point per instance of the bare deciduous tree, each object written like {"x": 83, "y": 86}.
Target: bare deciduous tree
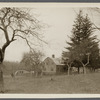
{"x": 33, "y": 59}
{"x": 68, "y": 60}
{"x": 14, "y": 23}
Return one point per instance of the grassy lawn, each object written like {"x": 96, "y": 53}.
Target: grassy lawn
{"x": 61, "y": 84}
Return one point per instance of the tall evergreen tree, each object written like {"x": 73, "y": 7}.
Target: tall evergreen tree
{"x": 83, "y": 46}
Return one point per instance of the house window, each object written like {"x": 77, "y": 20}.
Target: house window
{"x": 58, "y": 68}
{"x": 51, "y": 69}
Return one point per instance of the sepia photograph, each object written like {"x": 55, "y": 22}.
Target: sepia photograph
{"x": 49, "y": 48}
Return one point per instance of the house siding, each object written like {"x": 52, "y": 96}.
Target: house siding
{"x": 49, "y": 66}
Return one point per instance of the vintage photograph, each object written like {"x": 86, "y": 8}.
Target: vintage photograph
{"x": 49, "y": 49}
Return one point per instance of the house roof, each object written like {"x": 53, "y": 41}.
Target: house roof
{"x": 57, "y": 61}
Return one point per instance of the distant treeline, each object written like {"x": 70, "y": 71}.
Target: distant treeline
{"x": 11, "y": 67}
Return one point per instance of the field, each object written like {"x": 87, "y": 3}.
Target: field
{"x": 61, "y": 84}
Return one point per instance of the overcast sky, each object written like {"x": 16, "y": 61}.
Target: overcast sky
{"x": 60, "y": 21}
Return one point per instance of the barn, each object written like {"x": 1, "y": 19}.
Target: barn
{"x": 52, "y": 65}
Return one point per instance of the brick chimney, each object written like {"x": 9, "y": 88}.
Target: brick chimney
{"x": 53, "y": 56}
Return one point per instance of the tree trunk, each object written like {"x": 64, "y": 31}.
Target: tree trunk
{"x": 69, "y": 67}
{"x": 68, "y": 70}
{"x": 94, "y": 69}
{"x": 1, "y": 80}
{"x": 84, "y": 69}
{"x": 41, "y": 73}
{"x": 36, "y": 74}
{"x": 1, "y": 71}
{"x": 78, "y": 70}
